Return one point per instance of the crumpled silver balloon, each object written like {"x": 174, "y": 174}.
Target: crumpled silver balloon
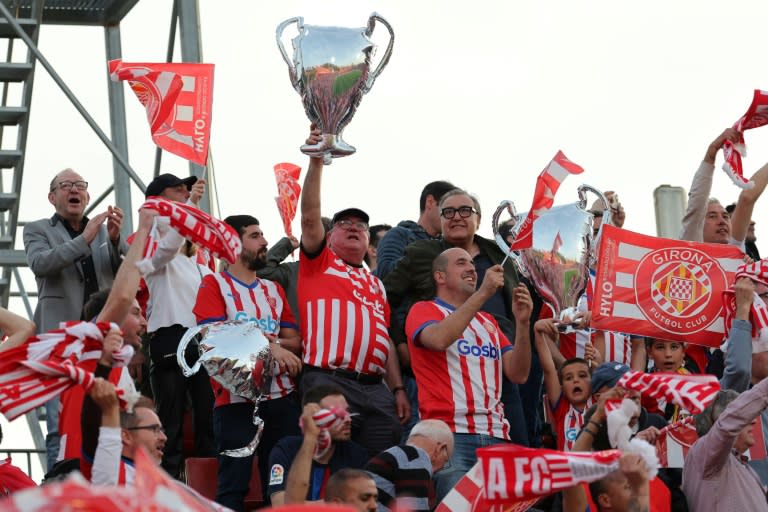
{"x": 330, "y": 69}
{"x": 237, "y": 356}
{"x": 563, "y": 250}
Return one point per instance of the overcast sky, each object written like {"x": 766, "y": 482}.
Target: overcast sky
{"x": 479, "y": 93}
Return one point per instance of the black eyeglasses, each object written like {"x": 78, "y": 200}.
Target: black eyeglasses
{"x": 156, "y": 428}
{"x": 463, "y": 211}
{"x": 67, "y": 185}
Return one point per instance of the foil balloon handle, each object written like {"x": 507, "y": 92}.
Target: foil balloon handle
{"x": 509, "y": 206}
{"x": 180, "y": 359}
{"x": 299, "y": 21}
{"x": 387, "y": 53}
{"x": 247, "y": 450}
{"x": 607, "y": 218}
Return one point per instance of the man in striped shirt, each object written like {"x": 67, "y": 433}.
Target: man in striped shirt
{"x": 238, "y": 294}
{"x": 459, "y": 354}
{"x": 345, "y": 318}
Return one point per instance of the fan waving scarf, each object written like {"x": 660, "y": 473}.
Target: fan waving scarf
{"x": 756, "y": 116}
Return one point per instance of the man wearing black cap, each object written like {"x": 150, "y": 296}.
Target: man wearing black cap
{"x": 345, "y": 320}
{"x": 173, "y": 282}
{"x": 171, "y": 187}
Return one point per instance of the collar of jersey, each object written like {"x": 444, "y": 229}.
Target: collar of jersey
{"x": 441, "y": 302}
{"x": 253, "y": 284}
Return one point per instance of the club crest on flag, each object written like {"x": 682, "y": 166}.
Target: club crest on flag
{"x": 674, "y": 289}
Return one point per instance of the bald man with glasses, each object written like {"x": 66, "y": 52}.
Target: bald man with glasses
{"x": 72, "y": 257}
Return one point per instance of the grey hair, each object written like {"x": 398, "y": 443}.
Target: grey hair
{"x": 461, "y": 192}
{"x": 708, "y": 416}
{"x": 437, "y": 430}
{"x": 712, "y": 200}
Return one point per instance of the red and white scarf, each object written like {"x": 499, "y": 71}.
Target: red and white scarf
{"x": 544, "y": 196}
{"x": 45, "y": 366}
{"x": 758, "y": 272}
{"x": 198, "y": 227}
{"x": 326, "y": 419}
{"x": 756, "y": 116}
{"x": 691, "y": 392}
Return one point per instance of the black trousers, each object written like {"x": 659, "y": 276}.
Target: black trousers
{"x": 172, "y": 392}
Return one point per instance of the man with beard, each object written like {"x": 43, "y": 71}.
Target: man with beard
{"x": 72, "y": 257}
{"x": 301, "y": 465}
{"x": 238, "y": 294}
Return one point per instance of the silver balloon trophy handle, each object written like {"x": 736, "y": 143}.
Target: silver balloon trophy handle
{"x": 607, "y": 217}
{"x": 279, "y": 37}
{"x": 387, "y": 53}
{"x": 188, "y": 336}
{"x": 509, "y": 206}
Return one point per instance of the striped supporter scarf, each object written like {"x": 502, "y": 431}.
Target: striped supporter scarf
{"x": 758, "y": 272}
{"x": 511, "y": 478}
{"x": 45, "y": 366}
{"x": 756, "y": 116}
{"x": 326, "y": 419}
{"x": 691, "y": 392}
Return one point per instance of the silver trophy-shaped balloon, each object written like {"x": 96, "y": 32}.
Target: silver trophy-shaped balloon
{"x": 330, "y": 69}
{"x": 564, "y": 248}
{"x": 237, "y": 356}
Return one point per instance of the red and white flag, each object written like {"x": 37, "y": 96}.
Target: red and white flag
{"x": 544, "y": 196}
{"x": 676, "y": 439}
{"x": 288, "y": 190}
{"x": 662, "y": 288}
{"x": 198, "y": 227}
{"x": 756, "y": 116}
{"x": 691, "y": 392}
{"x": 178, "y": 98}
{"x": 45, "y": 366}
{"x": 557, "y": 244}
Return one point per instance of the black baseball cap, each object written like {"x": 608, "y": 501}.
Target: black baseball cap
{"x": 163, "y": 181}
{"x": 350, "y": 212}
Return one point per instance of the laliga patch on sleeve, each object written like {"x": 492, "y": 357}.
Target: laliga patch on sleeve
{"x": 276, "y": 475}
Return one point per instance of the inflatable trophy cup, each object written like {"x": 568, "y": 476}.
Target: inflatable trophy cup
{"x": 237, "y": 356}
{"x": 563, "y": 250}
{"x": 330, "y": 69}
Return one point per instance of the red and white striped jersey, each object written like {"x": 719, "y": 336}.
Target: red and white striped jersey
{"x": 346, "y": 318}
{"x": 462, "y": 384}
{"x": 567, "y": 422}
{"x": 222, "y": 297}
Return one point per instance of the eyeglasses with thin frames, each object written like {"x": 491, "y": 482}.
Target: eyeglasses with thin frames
{"x": 346, "y": 225}
{"x": 68, "y": 185}
{"x": 156, "y": 428}
{"x": 463, "y": 211}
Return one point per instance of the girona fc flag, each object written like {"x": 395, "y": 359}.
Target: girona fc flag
{"x": 288, "y": 190}
{"x": 662, "y": 288}
{"x": 177, "y": 97}
{"x": 544, "y": 196}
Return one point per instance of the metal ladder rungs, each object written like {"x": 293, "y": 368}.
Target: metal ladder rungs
{"x": 13, "y": 258}
{"x": 8, "y": 200}
{"x": 27, "y": 24}
{"x": 14, "y": 71}
{"x": 9, "y": 158}
{"x": 10, "y": 116}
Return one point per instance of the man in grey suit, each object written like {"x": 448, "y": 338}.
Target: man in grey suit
{"x": 72, "y": 257}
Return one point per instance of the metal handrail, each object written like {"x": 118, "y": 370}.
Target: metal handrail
{"x": 25, "y": 451}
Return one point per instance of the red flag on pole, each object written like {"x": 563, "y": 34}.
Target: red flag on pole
{"x": 544, "y": 196}
{"x": 756, "y": 116}
{"x": 662, "y": 288}
{"x": 288, "y": 190}
{"x": 177, "y": 97}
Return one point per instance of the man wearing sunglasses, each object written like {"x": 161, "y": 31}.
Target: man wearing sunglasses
{"x": 72, "y": 257}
